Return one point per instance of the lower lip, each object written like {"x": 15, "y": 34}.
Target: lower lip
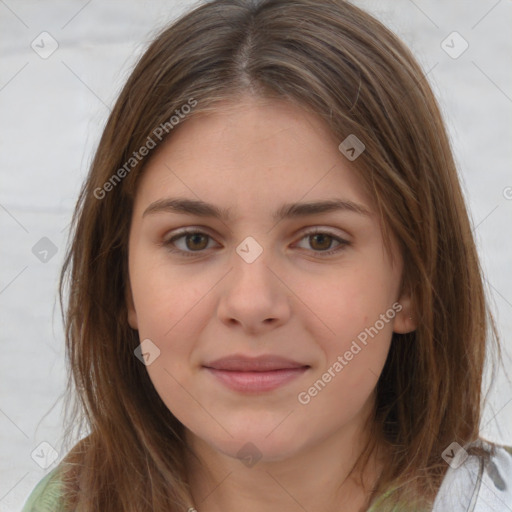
{"x": 251, "y": 382}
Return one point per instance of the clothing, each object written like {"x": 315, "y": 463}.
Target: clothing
{"x": 47, "y": 495}
{"x": 470, "y": 487}
{"x": 475, "y": 488}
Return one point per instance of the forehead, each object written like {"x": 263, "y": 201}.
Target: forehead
{"x": 250, "y": 152}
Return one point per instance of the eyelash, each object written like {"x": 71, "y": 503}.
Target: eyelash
{"x": 169, "y": 243}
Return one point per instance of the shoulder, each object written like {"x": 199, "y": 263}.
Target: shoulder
{"x": 476, "y": 484}
{"x": 47, "y": 496}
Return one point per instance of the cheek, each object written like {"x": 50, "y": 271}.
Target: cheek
{"x": 164, "y": 295}
{"x": 172, "y": 309}
{"x": 352, "y": 323}
{"x": 353, "y": 359}
{"x": 348, "y": 302}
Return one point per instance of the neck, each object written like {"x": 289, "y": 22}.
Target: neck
{"x": 318, "y": 477}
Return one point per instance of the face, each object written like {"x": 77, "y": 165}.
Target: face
{"x": 313, "y": 289}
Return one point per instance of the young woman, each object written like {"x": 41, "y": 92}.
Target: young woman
{"x": 275, "y": 300}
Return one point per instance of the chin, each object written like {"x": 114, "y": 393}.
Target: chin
{"x": 257, "y": 446}
{"x": 263, "y": 436}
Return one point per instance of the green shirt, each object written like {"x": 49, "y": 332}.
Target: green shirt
{"x": 47, "y": 495}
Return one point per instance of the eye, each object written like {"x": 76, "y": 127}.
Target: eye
{"x": 193, "y": 241}
{"x": 321, "y": 241}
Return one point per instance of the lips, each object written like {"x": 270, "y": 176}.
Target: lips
{"x": 255, "y": 374}
{"x": 240, "y": 363}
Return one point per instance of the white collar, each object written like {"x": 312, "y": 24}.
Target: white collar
{"x": 477, "y": 487}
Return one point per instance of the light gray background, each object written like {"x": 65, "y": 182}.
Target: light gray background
{"x": 52, "y": 114}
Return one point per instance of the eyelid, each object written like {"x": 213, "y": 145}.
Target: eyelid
{"x": 311, "y": 230}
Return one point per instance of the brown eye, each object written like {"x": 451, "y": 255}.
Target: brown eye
{"x": 188, "y": 243}
{"x": 320, "y": 242}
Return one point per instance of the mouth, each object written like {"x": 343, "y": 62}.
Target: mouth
{"x": 255, "y": 374}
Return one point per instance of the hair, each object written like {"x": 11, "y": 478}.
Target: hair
{"x": 338, "y": 62}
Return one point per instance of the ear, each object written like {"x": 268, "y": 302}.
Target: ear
{"x": 130, "y": 307}
{"x": 405, "y": 319}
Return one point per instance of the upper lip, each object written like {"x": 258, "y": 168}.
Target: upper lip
{"x": 253, "y": 364}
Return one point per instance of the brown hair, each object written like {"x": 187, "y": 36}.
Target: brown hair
{"x": 343, "y": 65}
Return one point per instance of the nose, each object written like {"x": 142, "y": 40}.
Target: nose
{"x": 253, "y": 297}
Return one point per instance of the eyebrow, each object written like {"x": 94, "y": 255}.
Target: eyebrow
{"x": 287, "y": 211}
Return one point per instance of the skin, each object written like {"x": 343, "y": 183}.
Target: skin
{"x": 252, "y": 156}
